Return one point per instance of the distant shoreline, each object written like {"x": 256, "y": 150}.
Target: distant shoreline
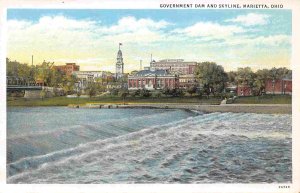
{"x": 264, "y": 104}
{"x": 235, "y": 108}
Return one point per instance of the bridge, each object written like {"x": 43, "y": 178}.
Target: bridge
{"x": 22, "y": 88}
{"x": 21, "y": 84}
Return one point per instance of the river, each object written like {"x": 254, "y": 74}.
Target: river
{"x": 64, "y": 145}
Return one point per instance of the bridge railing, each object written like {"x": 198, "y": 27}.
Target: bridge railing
{"x": 12, "y": 80}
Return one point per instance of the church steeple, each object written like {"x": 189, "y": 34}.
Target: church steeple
{"x": 119, "y": 64}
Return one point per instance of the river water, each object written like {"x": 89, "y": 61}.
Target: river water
{"x": 64, "y": 145}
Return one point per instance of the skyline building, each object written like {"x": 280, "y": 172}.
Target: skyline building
{"x": 119, "y": 64}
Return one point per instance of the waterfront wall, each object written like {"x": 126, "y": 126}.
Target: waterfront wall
{"x": 36, "y": 94}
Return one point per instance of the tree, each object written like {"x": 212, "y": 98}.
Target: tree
{"x": 231, "y": 76}
{"x": 280, "y": 73}
{"x": 176, "y": 92}
{"x": 123, "y": 94}
{"x": 245, "y": 76}
{"x": 157, "y": 94}
{"x": 166, "y": 91}
{"x": 78, "y": 94}
{"x": 211, "y": 76}
{"x": 68, "y": 83}
{"x": 260, "y": 81}
{"x": 114, "y": 92}
{"x": 192, "y": 90}
{"x": 145, "y": 93}
{"x": 44, "y": 72}
{"x": 136, "y": 93}
{"x": 20, "y": 72}
{"x": 91, "y": 90}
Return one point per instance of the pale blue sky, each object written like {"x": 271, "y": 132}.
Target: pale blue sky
{"x": 232, "y": 38}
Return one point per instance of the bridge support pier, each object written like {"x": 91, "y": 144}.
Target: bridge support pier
{"x": 32, "y": 94}
{"x": 36, "y": 94}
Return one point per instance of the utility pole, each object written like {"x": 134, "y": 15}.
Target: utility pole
{"x": 31, "y": 60}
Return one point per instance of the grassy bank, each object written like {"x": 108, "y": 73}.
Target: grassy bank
{"x": 64, "y": 101}
{"x": 265, "y": 99}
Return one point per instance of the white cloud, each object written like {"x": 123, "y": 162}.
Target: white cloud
{"x": 18, "y": 24}
{"x": 251, "y": 19}
{"x": 56, "y": 37}
{"x": 131, "y": 24}
{"x": 209, "y": 30}
{"x": 61, "y": 22}
{"x": 94, "y": 45}
{"x": 280, "y": 40}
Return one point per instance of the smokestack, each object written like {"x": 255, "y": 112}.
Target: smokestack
{"x": 151, "y": 59}
{"x": 31, "y": 60}
{"x": 140, "y": 64}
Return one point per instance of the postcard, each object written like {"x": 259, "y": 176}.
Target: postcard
{"x": 121, "y": 96}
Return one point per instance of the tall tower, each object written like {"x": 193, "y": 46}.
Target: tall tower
{"x": 119, "y": 64}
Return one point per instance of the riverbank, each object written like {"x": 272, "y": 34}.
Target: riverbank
{"x": 235, "y": 108}
{"x": 64, "y": 101}
{"x": 281, "y": 104}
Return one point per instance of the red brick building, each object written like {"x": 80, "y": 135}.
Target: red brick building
{"x": 68, "y": 69}
{"x": 176, "y": 66}
{"x": 183, "y": 69}
{"x": 187, "y": 81}
{"x": 243, "y": 90}
{"x": 152, "y": 79}
{"x": 279, "y": 86}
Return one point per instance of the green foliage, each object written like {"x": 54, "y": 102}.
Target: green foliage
{"x": 211, "y": 76}
{"x": 231, "y": 76}
{"x": 256, "y": 81}
{"x": 20, "y": 70}
{"x": 136, "y": 93}
{"x": 192, "y": 90}
{"x": 157, "y": 94}
{"x": 265, "y": 99}
{"x": 176, "y": 92}
{"x": 43, "y": 72}
{"x": 145, "y": 93}
{"x": 200, "y": 93}
{"x": 78, "y": 94}
{"x": 91, "y": 90}
{"x": 114, "y": 92}
{"x": 260, "y": 81}
{"x": 166, "y": 91}
{"x": 68, "y": 84}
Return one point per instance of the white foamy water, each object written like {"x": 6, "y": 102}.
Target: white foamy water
{"x": 153, "y": 146}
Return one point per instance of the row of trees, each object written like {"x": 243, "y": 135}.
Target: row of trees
{"x": 214, "y": 79}
{"x": 49, "y": 76}
{"x": 43, "y": 73}
{"x": 211, "y": 77}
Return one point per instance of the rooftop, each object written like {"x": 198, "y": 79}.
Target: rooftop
{"x": 152, "y": 73}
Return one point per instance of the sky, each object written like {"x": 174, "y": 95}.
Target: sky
{"x": 90, "y": 37}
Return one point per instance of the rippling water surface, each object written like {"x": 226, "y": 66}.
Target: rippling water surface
{"x": 62, "y": 145}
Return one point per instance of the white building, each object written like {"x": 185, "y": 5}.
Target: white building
{"x": 87, "y": 77}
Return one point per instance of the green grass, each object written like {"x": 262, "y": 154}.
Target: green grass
{"x": 64, "y": 101}
{"x": 265, "y": 99}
